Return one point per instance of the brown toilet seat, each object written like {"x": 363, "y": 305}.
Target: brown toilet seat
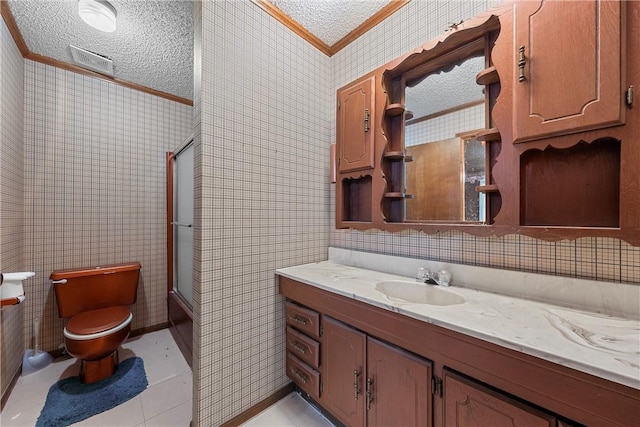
{"x": 96, "y": 321}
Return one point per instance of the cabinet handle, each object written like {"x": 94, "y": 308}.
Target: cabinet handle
{"x": 366, "y": 120}
{"x": 521, "y": 62}
{"x": 369, "y": 393}
{"x": 356, "y": 390}
{"x": 297, "y": 347}
{"x": 299, "y": 320}
{"x": 629, "y": 95}
{"x": 301, "y": 377}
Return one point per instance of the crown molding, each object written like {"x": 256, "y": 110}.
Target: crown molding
{"x": 374, "y": 20}
{"x": 27, "y": 54}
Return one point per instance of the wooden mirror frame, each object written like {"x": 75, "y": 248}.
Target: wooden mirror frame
{"x": 376, "y": 194}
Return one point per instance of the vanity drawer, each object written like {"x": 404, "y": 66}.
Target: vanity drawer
{"x": 303, "y": 319}
{"x": 305, "y": 348}
{"x": 304, "y": 375}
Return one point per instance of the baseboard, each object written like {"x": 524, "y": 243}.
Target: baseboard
{"x": 149, "y": 329}
{"x": 7, "y": 392}
{"x": 259, "y": 407}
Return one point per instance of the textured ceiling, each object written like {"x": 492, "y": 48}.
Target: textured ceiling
{"x": 153, "y": 43}
{"x": 329, "y": 20}
{"x": 448, "y": 89}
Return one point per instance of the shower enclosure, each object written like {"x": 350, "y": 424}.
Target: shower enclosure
{"x": 180, "y": 247}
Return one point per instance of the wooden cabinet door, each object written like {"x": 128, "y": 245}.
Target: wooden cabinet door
{"x": 343, "y": 376}
{"x": 355, "y": 129}
{"x": 469, "y": 404}
{"x": 397, "y": 388}
{"x": 571, "y": 77}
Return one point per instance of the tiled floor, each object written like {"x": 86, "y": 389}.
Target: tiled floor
{"x": 166, "y": 402}
{"x": 292, "y": 411}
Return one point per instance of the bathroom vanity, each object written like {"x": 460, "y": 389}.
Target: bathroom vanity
{"x": 374, "y": 348}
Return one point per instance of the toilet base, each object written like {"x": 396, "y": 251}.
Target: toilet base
{"x": 92, "y": 371}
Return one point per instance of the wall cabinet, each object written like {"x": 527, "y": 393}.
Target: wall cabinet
{"x": 560, "y": 134}
{"x": 381, "y": 368}
{"x": 368, "y": 382}
{"x": 569, "y": 78}
{"x": 568, "y": 137}
{"x": 355, "y": 126}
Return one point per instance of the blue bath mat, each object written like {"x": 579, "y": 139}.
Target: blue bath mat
{"x": 70, "y": 401}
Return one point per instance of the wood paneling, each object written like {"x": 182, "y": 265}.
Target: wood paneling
{"x": 578, "y": 186}
{"x": 435, "y": 179}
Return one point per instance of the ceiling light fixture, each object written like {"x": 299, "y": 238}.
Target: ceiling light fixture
{"x": 100, "y": 14}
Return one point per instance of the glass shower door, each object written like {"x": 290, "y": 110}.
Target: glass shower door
{"x": 183, "y": 224}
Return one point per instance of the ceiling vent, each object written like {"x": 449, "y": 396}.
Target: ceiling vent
{"x": 92, "y": 61}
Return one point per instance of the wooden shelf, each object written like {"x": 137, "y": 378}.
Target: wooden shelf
{"x": 492, "y": 134}
{"x": 398, "y": 195}
{"x": 487, "y": 188}
{"x": 488, "y": 76}
{"x": 397, "y": 155}
{"x": 393, "y": 110}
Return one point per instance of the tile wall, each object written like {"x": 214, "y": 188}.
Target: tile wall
{"x": 95, "y": 185}
{"x": 11, "y": 199}
{"x": 267, "y": 111}
{"x": 594, "y": 258}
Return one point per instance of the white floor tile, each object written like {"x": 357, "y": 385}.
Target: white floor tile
{"x": 291, "y": 411}
{"x": 166, "y": 402}
{"x": 127, "y": 414}
{"x": 163, "y": 362}
{"x": 272, "y": 417}
{"x": 166, "y": 395}
{"x": 178, "y": 416}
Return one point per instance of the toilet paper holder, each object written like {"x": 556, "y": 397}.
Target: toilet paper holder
{"x": 11, "y": 288}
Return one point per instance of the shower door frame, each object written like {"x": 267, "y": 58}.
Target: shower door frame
{"x": 179, "y": 313}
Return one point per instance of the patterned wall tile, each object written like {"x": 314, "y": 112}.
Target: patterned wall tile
{"x": 266, "y": 113}
{"x": 408, "y": 28}
{"x": 11, "y": 199}
{"x": 95, "y": 186}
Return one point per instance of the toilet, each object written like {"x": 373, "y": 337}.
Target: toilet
{"x": 96, "y": 301}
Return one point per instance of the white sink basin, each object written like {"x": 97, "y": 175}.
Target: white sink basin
{"x": 417, "y": 293}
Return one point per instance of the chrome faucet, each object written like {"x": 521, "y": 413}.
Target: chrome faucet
{"x": 441, "y": 278}
{"x": 424, "y": 275}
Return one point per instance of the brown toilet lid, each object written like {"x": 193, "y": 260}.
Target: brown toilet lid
{"x": 94, "y": 321}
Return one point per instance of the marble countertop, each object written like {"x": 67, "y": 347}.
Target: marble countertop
{"x": 598, "y": 344}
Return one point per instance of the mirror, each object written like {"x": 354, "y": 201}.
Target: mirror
{"x": 448, "y": 111}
